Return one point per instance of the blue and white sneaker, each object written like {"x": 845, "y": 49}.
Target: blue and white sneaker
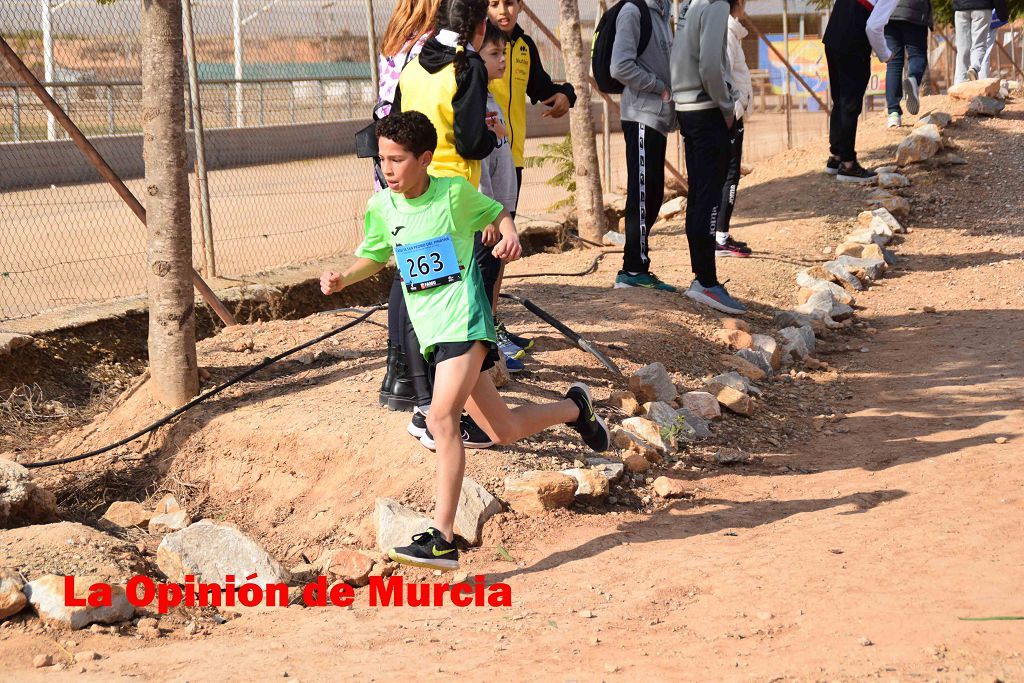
{"x": 716, "y": 297}
{"x": 513, "y": 365}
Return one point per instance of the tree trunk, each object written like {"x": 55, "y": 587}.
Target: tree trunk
{"x": 172, "y": 330}
{"x": 589, "y": 199}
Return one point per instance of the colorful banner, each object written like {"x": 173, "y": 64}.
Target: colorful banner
{"x": 807, "y": 56}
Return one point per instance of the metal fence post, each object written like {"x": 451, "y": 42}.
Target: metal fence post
{"x": 110, "y": 110}
{"x": 371, "y": 40}
{"x": 17, "y": 114}
{"x": 47, "y": 29}
{"x": 786, "y": 93}
{"x": 200, "y": 137}
{"x": 236, "y": 28}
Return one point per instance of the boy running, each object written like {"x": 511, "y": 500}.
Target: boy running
{"x": 429, "y": 224}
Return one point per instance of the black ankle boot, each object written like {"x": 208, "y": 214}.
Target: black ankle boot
{"x": 396, "y": 390}
{"x": 389, "y": 374}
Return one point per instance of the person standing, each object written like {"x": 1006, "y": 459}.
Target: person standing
{"x": 855, "y": 28}
{"x": 739, "y": 79}
{"x": 990, "y": 44}
{"x": 647, "y": 115}
{"x": 706, "y": 111}
{"x": 906, "y": 33}
{"x": 972, "y": 21}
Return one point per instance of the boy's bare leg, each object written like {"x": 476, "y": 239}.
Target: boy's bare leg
{"x": 454, "y": 379}
{"x": 506, "y": 425}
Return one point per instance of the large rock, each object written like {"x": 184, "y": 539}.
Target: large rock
{"x": 702, "y": 404}
{"x": 624, "y": 401}
{"x": 476, "y": 506}
{"x": 627, "y": 441}
{"x": 535, "y": 492}
{"x": 126, "y": 514}
{"x": 694, "y": 428}
{"x": 672, "y": 207}
{"x": 648, "y": 430}
{"x": 169, "y": 522}
{"x": 869, "y": 269}
{"x": 211, "y": 551}
{"x": 844, "y": 277}
{"x": 736, "y": 401}
{"x": 652, "y": 383}
{"x": 869, "y": 219}
{"x": 730, "y": 379}
{"x": 591, "y": 485}
{"x": 758, "y": 359}
{"x": 665, "y": 487}
{"x": 790, "y": 319}
{"x": 985, "y": 106}
{"x": 814, "y": 284}
{"x": 767, "y": 345}
{"x": 968, "y": 90}
{"x": 799, "y": 342}
{"x": 10, "y": 341}
{"x": 937, "y": 118}
{"x": 350, "y": 566}
{"x": 897, "y": 206}
{"x": 21, "y": 501}
{"x": 823, "y": 306}
{"x": 660, "y": 412}
{"x": 48, "y": 597}
{"x": 12, "y": 599}
{"x": 610, "y": 469}
{"x": 893, "y": 180}
{"x": 916, "y": 147}
{"x": 396, "y": 524}
{"x": 867, "y": 236}
{"x": 744, "y": 367}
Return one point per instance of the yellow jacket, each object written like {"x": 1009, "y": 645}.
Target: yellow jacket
{"x": 524, "y": 77}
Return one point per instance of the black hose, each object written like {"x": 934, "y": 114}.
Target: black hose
{"x": 203, "y": 397}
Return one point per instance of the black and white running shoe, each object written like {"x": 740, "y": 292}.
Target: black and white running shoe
{"x": 428, "y": 549}
{"x": 832, "y": 165}
{"x": 856, "y": 174}
{"x": 910, "y": 91}
{"x": 418, "y": 424}
{"x": 472, "y": 435}
{"x": 589, "y": 424}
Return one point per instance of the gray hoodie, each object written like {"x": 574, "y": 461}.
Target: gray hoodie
{"x": 647, "y": 75}
{"x": 700, "y": 61}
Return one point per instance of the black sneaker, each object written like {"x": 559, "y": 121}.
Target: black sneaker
{"x": 472, "y": 435}
{"x": 832, "y": 166}
{"x": 733, "y": 248}
{"x": 428, "y": 549}
{"x": 590, "y": 425}
{"x": 418, "y": 424}
{"x": 856, "y": 174}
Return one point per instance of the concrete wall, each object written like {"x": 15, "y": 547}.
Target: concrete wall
{"x": 32, "y": 165}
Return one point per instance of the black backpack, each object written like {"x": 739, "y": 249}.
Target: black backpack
{"x": 604, "y": 39}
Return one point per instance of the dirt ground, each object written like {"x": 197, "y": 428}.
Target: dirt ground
{"x": 877, "y": 513}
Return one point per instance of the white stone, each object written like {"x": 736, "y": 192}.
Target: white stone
{"x": 660, "y": 412}
{"x": 652, "y": 383}
{"x": 47, "y": 596}
{"x": 649, "y": 431}
{"x": 893, "y": 180}
{"x": 396, "y": 524}
{"x": 672, "y": 207}
{"x": 211, "y": 551}
{"x": 10, "y": 341}
{"x": 476, "y": 506}
{"x": 799, "y": 342}
{"x": 21, "y": 501}
{"x": 12, "y": 598}
{"x": 614, "y": 239}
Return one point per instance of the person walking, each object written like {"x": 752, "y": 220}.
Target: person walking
{"x": 906, "y": 34}
{"x": 648, "y": 116}
{"x": 972, "y": 20}
{"x": 855, "y": 28}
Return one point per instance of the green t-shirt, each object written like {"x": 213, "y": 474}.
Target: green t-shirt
{"x": 454, "y": 312}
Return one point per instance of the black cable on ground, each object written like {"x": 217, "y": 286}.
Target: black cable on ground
{"x": 203, "y": 397}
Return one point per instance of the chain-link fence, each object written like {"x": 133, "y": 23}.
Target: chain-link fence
{"x": 284, "y": 84}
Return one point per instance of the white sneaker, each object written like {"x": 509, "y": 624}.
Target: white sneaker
{"x": 894, "y": 120}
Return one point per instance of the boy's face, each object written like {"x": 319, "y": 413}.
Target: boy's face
{"x": 503, "y": 13}
{"x": 494, "y": 57}
{"x": 402, "y": 169}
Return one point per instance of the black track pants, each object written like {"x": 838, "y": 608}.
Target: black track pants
{"x": 645, "y": 191}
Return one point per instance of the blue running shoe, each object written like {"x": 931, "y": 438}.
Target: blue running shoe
{"x": 716, "y": 297}
{"x": 523, "y": 343}
{"x": 514, "y": 365}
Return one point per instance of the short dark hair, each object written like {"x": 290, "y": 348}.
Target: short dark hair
{"x": 494, "y": 35}
{"x": 411, "y": 129}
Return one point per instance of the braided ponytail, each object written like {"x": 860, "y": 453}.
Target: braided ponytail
{"x": 463, "y": 17}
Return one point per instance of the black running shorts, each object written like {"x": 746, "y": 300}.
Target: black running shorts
{"x": 446, "y": 350}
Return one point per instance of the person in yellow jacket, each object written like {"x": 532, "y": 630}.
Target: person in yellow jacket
{"x": 524, "y": 77}
{"x": 448, "y": 84}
